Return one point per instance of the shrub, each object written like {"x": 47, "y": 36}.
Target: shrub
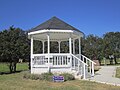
{"x": 26, "y": 75}
{"x": 44, "y": 76}
{"x": 34, "y": 76}
{"x": 67, "y": 76}
{"x": 47, "y": 76}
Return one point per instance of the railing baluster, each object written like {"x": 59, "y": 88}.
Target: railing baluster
{"x": 62, "y": 61}
{"x": 74, "y": 62}
{"x": 90, "y": 68}
{"x": 57, "y": 60}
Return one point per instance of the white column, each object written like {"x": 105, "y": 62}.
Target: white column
{"x": 79, "y": 45}
{"x": 79, "y": 54}
{"x": 70, "y": 46}
{"x": 74, "y": 51}
{"x": 92, "y": 69}
{"x": 84, "y": 76}
{"x": 43, "y": 42}
{"x": 59, "y": 45}
{"x": 48, "y": 37}
{"x": 31, "y": 54}
{"x": 70, "y": 51}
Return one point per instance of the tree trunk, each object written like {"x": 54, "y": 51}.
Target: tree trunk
{"x": 29, "y": 65}
{"x": 14, "y": 66}
{"x": 115, "y": 60}
{"x": 111, "y": 61}
{"x": 10, "y": 67}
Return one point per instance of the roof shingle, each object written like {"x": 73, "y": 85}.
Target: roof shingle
{"x": 54, "y": 23}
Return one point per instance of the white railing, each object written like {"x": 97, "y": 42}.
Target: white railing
{"x": 39, "y": 59}
{"x": 79, "y": 66}
{"x": 60, "y": 59}
{"x": 79, "y": 63}
{"x": 55, "y": 60}
{"x": 89, "y": 62}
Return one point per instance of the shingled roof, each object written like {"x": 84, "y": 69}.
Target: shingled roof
{"x": 54, "y": 23}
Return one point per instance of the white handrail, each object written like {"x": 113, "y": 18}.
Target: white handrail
{"x": 87, "y": 58}
{"x": 79, "y": 59}
{"x": 52, "y": 54}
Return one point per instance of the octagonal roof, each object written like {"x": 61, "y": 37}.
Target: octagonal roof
{"x": 54, "y": 23}
{"x": 57, "y": 29}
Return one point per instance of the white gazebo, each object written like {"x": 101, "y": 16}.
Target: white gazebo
{"x": 57, "y": 30}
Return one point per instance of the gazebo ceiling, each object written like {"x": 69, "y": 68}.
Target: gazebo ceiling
{"x": 55, "y": 36}
{"x": 57, "y": 29}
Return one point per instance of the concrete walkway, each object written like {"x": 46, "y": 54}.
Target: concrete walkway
{"x": 106, "y": 75}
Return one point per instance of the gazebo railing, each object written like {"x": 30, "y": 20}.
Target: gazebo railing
{"x": 55, "y": 59}
{"x": 39, "y": 59}
{"x": 80, "y": 63}
{"x": 89, "y": 62}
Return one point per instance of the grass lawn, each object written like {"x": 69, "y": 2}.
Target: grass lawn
{"x": 16, "y": 82}
{"x": 118, "y": 72}
{"x": 107, "y": 61}
{"x": 4, "y": 67}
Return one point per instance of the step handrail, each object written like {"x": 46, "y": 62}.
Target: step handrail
{"x": 87, "y": 58}
{"x": 79, "y": 59}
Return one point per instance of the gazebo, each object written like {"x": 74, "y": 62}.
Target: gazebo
{"x": 57, "y": 30}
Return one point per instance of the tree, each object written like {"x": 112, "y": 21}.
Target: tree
{"x": 92, "y": 47}
{"x": 112, "y": 45}
{"x": 14, "y": 45}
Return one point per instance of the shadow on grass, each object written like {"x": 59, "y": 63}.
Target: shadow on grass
{"x": 3, "y": 73}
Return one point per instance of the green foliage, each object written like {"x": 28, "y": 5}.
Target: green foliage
{"x": 37, "y": 47}
{"x": 67, "y": 76}
{"x": 92, "y": 47}
{"x": 47, "y": 76}
{"x": 96, "y": 47}
{"x": 43, "y": 76}
{"x": 111, "y": 43}
{"x": 31, "y": 76}
{"x": 14, "y": 44}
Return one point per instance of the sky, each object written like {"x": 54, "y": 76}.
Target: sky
{"x": 89, "y": 16}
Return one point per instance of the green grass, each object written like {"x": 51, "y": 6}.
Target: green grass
{"x": 22, "y": 66}
{"x": 4, "y": 67}
{"x": 108, "y": 62}
{"x": 118, "y": 72}
{"x": 17, "y": 82}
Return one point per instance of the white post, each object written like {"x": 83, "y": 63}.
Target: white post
{"x": 79, "y": 53}
{"x": 59, "y": 45}
{"x": 80, "y": 46}
{"x": 73, "y": 46}
{"x": 70, "y": 51}
{"x": 84, "y": 76}
{"x": 48, "y": 52}
{"x": 43, "y": 42}
{"x": 74, "y": 51}
{"x": 70, "y": 46}
{"x": 31, "y": 54}
{"x": 92, "y": 69}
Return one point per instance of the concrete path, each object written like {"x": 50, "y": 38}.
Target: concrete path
{"x": 106, "y": 75}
